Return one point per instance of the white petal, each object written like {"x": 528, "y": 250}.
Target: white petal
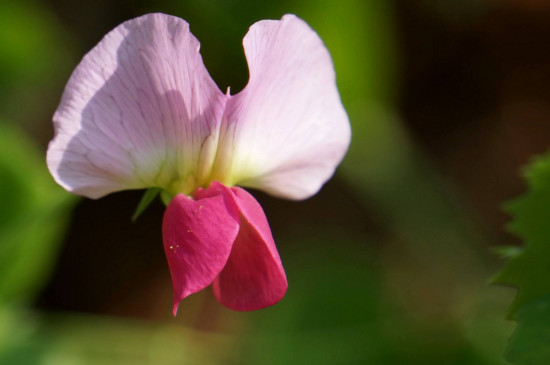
{"x": 286, "y": 132}
{"x": 140, "y": 110}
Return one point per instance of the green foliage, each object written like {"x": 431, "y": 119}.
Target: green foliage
{"x": 72, "y": 339}
{"x": 529, "y": 271}
{"x": 529, "y": 343}
{"x": 33, "y": 215}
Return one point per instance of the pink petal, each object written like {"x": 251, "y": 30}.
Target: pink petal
{"x": 198, "y": 236}
{"x": 286, "y": 132}
{"x": 253, "y": 277}
{"x": 140, "y": 110}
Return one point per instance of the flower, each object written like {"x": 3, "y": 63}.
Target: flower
{"x": 141, "y": 111}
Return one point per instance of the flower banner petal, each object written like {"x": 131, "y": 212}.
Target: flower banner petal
{"x": 253, "y": 277}
{"x": 287, "y": 130}
{"x": 140, "y": 110}
{"x": 198, "y": 236}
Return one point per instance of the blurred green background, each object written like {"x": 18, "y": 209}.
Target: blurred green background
{"x": 388, "y": 264}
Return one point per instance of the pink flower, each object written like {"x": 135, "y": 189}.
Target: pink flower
{"x": 141, "y": 111}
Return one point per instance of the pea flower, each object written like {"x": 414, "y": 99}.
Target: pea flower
{"x": 141, "y": 111}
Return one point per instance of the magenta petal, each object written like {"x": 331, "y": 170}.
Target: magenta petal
{"x": 253, "y": 277}
{"x": 198, "y": 236}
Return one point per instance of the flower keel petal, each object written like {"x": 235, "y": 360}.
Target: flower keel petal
{"x": 253, "y": 277}
{"x": 198, "y": 236}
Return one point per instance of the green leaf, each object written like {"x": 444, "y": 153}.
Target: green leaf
{"x": 529, "y": 271}
{"x": 530, "y": 342}
{"x": 146, "y": 200}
